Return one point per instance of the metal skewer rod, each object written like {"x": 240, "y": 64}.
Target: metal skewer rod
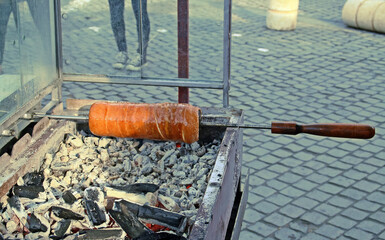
{"x": 343, "y": 130}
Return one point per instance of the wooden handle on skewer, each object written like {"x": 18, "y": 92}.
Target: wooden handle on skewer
{"x": 343, "y": 130}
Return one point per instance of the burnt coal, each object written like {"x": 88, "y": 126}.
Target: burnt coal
{"x": 138, "y": 188}
{"x": 35, "y": 225}
{"x": 130, "y": 223}
{"x": 154, "y": 215}
{"x": 62, "y": 228}
{"x": 102, "y": 234}
{"x": 30, "y": 192}
{"x": 161, "y": 236}
{"x": 68, "y": 197}
{"x": 66, "y": 213}
{"x": 33, "y": 179}
{"x": 96, "y": 215}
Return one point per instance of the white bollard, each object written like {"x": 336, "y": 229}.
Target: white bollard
{"x": 282, "y": 14}
{"x": 365, "y": 14}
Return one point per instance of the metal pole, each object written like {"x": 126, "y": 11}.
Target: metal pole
{"x": 183, "y": 48}
{"x": 226, "y": 52}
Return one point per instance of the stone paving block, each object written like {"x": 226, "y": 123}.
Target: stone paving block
{"x": 303, "y": 171}
{"x": 265, "y": 207}
{"x": 313, "y": 236}
{"x": 348, "y": 147}
{"x": 303, "y": 156}
{"x": 292, "y": 192}
{"x": 331, "y": 172}
{"x": 327, "y": 209}
{"x": 287, "y": 233}
{"x": 329, "y": 231}
{"x": 372, "y": 148}
{"x": 358, "y": 234}
{"x": 367, "y": 206}
{"x": 377, "y": 197}
{"x": 318, "y": 195}
{"x": 292, "y": 211}
{"x": 256, "y": 164}
{"x": 278, "y": 185}
{"x": 340, "y": 165}
{"x": 247, "y": 235}
{"x": 342, "y": 222}
{"x": 351, "y": 160}
{"x": 342, "y": 181}
{"x": 362, "y": 154}
{"x": 281, "y": 153}
{"x": 376, "y": 162}
{"x": 299, "y": 226}
{"x": 326, "y": 158}
{"x": 262, "y": 229}
{"x": 329, "y": 143}
{"x": 277, "y": 219}
{"x": 289, "y": 177}
{"x": 379, "y": 216}
{"x": 255, "y": 181}
{"x": 253, "y": 198}
{"x": 366, "y": 186}
{"x": 317, "y": 149}
{"x": 371, "y": 226}
{"x": 291, "y": 162}
{"x": 315, "y": 165}
{"x": 252, "y": 215}
{"x": 313, "y": 217}
{"x": 271, "y": 146}
{"x": 279, "y": 199}
{"x": 304, "y": 184}
{"x": 266, "y": 174}
{"x": 305, "y": 202}
{"x": 382, "y": 235}
{"x": 330, "y": 188}
{"x": 317, "y": 178}
{"x": 340, "y": 201}
{"x": 258, "y": 151}
{"x": 356, "y": 175}
{"x": 353, "y": 194}
{"x": 355, "y": 214}
{"x": 366, "y": 168}
{"x": 278, "y": 168}
{"x": 263, "y": 191}
{"x": 338, "y": 153}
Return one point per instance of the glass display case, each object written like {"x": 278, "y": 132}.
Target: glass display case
{"x": 27, "y": 48}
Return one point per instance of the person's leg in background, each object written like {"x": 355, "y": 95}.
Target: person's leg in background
{"x": 119, "y": 30}
{"x": 143, "y": 30}
{"x": 6, "y": 8}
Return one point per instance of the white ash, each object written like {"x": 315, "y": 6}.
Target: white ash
{"x": 89, "y": 166}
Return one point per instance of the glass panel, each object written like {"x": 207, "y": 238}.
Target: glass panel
{"x": 29, "y": 63}
{"x": 94, "y": 33}
{"x": 10, "y": 80}
{"x": 89, "y": 31}
{"x": 205, "y": 40}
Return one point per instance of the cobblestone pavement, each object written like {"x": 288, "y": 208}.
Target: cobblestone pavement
{"x": 302, "y": 187}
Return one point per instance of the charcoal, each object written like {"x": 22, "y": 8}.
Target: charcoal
{"x": 138, "y": 188}
{"x": 62, "y": 228}
{"x": 160, "y": 236}
{"x": 102, "y": 234}
{"x": 96, "y": 215}
{"x": 66, "y": 213}
{"x": 30, "y": 192}
{"x": 34, "y": 179}
{"x": 35, "y": 225}
{"x": 154, "y": 215}
{"x": 94, "y": 194}
{"x": 129, "y": 223}
{"x": 69, "y": 197}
